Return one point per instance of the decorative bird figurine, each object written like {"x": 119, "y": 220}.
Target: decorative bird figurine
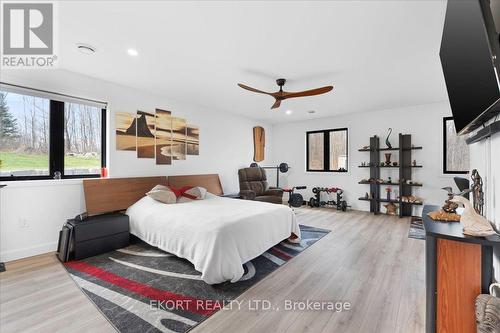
{"x": 449, "y": 206}
{"x": 474, "y": 224}
{"x": 387, "y": 143}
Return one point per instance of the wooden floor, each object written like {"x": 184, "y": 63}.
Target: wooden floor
{"x": 366, "y": 260}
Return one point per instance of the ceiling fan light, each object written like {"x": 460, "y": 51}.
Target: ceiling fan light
{"x": 132, "y": 52}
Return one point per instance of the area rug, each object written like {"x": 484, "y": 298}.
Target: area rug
{"x": 142, "y": 289}
{"x": 416, "y": 228}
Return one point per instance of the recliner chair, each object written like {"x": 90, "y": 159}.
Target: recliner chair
{"x": 254, "y": 186}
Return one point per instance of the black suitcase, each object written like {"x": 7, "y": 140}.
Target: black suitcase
{"x": 64, "y": 244}
{"x": 93, "y": 235}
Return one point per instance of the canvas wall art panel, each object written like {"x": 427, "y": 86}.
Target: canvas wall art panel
{"x": 192, "y": 140}
{"x": 163, "y": 136}
{"x": 145, "y": 127}
{"x": 178, "y": 138}
{"x": 125, "y": 131}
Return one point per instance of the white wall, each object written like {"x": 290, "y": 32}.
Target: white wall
{"x": 423, "y": 122}
{"x": 226, "y": 144}
{"x": 485, "y": 157}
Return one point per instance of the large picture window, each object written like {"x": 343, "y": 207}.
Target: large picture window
{"x": 41, "y": 136}
{"x": 327, "y": 150}
{"x": 455, "y": 150}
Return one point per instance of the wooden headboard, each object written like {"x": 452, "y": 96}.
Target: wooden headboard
{"x": 115, "y": 194}
{"x": 210, "y": 181}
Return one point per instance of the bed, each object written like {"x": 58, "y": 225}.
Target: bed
{"x": 217, "y": 235}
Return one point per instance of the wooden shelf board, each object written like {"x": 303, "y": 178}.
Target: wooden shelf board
{"x": 385, "y": 183}
{"x": 393, "y": 201}
{"x": 391, "y": 149}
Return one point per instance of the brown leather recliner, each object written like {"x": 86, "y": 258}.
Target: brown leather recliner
{"x": 254, "y": 186}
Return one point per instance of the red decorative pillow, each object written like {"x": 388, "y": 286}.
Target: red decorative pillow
{"x": 188, "y": 193}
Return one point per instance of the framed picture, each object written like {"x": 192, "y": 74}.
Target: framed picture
{"x": 192, "y": 140}
{"x": 178, "y": 138}
{"x": 125, "y": 131}
{"x": 163, "y": 136}
{"x": 145, "y": 127}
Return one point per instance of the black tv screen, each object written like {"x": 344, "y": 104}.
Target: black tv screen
{"x": 468, "y": 49}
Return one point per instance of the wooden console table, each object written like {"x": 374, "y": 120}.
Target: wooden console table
{"x": 458, "y": 268}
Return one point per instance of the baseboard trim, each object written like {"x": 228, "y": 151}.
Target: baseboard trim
{"x": 6, "y": 256}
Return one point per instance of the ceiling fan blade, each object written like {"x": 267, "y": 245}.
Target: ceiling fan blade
{"x": 276, "y": 104}
{"x": 253, "y": 89}
{"x": 312, "y": 92}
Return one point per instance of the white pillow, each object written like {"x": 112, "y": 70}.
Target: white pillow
{"x": 195, "y": 193}
{"x": 162, "y": 194}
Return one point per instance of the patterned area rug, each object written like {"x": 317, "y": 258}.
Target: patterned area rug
{"x": 142, "y": 289}
{"x": 416, "y": 228}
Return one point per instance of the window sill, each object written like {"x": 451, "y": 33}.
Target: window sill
{"x": 453, "y": 175}
{"x": 43, "y": 182}
{"x": 329, "y": 173}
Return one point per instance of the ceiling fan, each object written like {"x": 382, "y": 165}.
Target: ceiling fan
{"x": 282, "y": 95}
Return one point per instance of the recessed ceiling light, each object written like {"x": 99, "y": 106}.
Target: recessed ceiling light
{"x": 132, "y": 52}
{"x": 289, "y": 112}
{"x": 85, "y": 48}
{"x": 311, "y": 111}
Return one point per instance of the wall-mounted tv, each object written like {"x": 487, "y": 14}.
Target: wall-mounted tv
{"x": 471, "y": 65}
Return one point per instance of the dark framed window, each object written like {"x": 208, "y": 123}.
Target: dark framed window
{"x": 456, "y": 159}
{"x": 327, "y": 150}
{"x": 40, "y": 136}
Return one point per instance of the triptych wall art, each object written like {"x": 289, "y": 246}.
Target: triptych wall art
{"x": 156, "y": 135}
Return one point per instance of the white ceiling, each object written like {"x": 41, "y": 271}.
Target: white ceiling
{"x": 377, "y": 54}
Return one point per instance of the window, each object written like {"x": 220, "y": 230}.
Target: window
{"x": 455, "y": 150}
{"x": 24, "y": 135}
{"x": 40, "y": 136}
{"x": 82, "y": 139}
{"x": 327, "y": 150}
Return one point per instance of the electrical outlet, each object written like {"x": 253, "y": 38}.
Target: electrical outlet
{"x": 23, "y": 223}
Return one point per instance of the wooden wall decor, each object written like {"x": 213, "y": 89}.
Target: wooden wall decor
{"x": 125, "y": 131}
{"x": 145, "y": 127}
{"x": 259, "y": 143}
{"x": 163, "y": 136}
{"x": 156, "y": 135}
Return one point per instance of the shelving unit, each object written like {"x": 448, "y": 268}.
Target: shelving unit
{"x": 405, "y": 173}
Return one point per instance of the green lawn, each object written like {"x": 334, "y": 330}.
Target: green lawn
{"x": 15, "y": 161}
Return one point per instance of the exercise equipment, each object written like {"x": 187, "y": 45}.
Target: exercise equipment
{"x": 282, "y": 167}
{"x": 316, "y": 201}
{"x": 295, "y": 199}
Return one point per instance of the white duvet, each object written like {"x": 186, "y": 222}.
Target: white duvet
{"x": 217, "y": 235}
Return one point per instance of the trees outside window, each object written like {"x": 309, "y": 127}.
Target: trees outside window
{"x": 327, "y": 150}
{"x": 24, "y": 137}
{"x": 456, "y": 157}
{"x": 39, "y": 136}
